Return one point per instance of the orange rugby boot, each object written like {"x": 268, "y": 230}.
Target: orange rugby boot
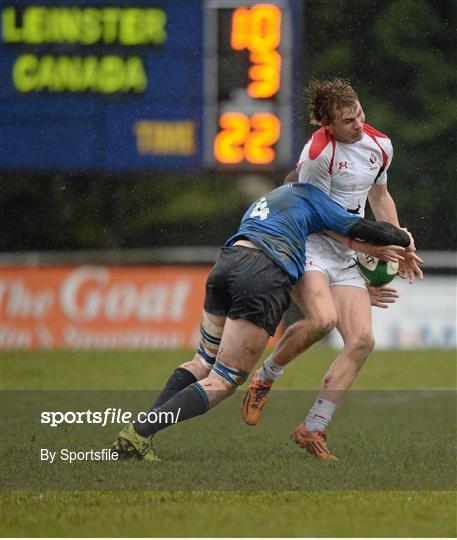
{"x": 254, "y": 400}
{"x": 314, "y": 442}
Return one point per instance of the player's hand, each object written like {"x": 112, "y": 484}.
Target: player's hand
{"x": 383, "y": 253}
{"x": 412, "y": 245}
{"x": 409, "y": 268}
{"x": 382, "y": 296}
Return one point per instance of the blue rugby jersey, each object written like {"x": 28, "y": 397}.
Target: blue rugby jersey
{"x": 279, "y": 223}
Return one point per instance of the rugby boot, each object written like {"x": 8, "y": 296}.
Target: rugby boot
{"x": 130, "y": 444}
{"x": 314, "y": 442}
{"x": 254, "y": 400}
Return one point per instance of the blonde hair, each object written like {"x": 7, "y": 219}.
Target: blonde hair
{"x": 325, "y": 97}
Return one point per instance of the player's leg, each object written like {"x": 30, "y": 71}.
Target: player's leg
{"x": 241, "y": 345}
{"x": 313, "y": 296}
{"x": 216, "y": 306}
{"x": 254, "y": 310}
{"x": 134, "y": 440}
{"x": 256, "y": 307}
{"x": 211, "y": 329}
{"x": 354, "y": 324}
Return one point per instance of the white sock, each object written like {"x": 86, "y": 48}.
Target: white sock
{"x": 319, "y": 415}
{"x": 269, "y": 371}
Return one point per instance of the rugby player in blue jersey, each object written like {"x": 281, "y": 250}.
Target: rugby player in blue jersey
{"x": 247, "y": 292}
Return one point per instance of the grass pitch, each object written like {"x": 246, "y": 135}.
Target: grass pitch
{"x": 395, "y": 477}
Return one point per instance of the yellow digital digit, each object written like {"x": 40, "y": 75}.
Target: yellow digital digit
{"x": 258, "y": 30}
{"x": 265, "y": 74}
{"x": 265, "y": 28}
{"x": 229, "y": 142}
{"x": 266, "y": 129}
{"x": 250, "y": 139}
{"x": 239, "y": 36}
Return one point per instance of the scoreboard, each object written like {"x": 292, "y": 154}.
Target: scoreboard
{"x": 87, "y": 85}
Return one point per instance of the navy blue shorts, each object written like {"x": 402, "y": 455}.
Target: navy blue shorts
{"x": 246, "y": 284}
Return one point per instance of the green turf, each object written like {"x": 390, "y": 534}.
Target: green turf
{"x": 148, "y": 369}
{"x": 264, "y": 485}
{"x": 228, "y": 514}
{"x": 418, "y": 425}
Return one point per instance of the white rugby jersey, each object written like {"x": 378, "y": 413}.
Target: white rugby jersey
{"x": 345, "y": 172}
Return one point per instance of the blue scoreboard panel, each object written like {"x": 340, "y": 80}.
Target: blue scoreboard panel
{"x": 89, "y": 85}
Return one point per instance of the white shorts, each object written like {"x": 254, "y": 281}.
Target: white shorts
{"x": 337, "y": 265}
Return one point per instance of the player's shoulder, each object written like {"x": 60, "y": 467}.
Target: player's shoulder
{"x": 319, "y": 140}
{"x": 373, "y": 132}
{"x": 382, "y": 141}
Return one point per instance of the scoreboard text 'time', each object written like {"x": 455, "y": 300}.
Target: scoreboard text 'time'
{"x": 148, "y": 85}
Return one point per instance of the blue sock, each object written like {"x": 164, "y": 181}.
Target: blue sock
{"x": 189, "y": 402}
{"x": 179, "y": 379}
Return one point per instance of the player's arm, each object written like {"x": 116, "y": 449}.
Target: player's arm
{"x": 384, "y": 253}
{"x": 385, "y": 233}
{"x": 384, "y": 209}
{"x": 338, "y": 219}
{"x": 380, "y": 233}
{"x": 380, "y": 297}
{"x": 407, "y": 258}
{"x": 382, "y": 204}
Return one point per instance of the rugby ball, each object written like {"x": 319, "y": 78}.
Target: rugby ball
{"x": 376, "y": 272}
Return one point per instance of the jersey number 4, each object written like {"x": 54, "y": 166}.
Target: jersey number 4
{"x": 260, "y": 209}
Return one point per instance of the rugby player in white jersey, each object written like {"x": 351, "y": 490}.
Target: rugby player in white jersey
{"x": 348, "y": 160}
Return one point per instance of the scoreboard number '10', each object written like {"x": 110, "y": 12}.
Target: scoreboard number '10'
{"x": 248, "y": 73}
{"x": 259, "y": 31}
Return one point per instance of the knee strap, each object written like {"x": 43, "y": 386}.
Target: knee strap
{"x": 209, "y": 341}
{"x": 211, "y": 329}
{"x": 233, "y": 376}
